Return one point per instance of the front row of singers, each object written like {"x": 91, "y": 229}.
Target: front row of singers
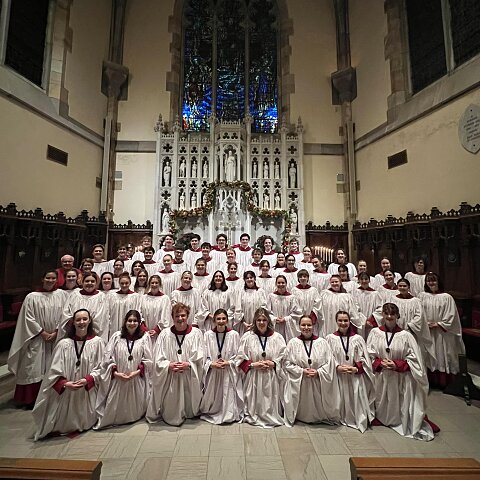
{"x": 256, "y": 378}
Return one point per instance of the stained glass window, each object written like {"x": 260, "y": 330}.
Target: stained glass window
{"x": 230, "y": 63}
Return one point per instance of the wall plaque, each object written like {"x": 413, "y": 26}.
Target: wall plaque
{"x": 469, "y": 129}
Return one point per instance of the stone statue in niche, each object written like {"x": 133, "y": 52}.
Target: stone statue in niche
{"x": 167, "y": 174}
{"x": 255, "y": 197}
{"x": 193, "y": 199}
{"x": 266, "y": 169}
{"x": 181, "y": 200}
{"x": 254, "y": 169}
{"x": 230, "y": 167}
{"x": 165, "y": 221}
{"x": 276, "y": 169}
{"x": 266, "y": 200}
{"x": 294, "y": 220}
{"x": 205, "y": 169}
{"x": 277, "y": 200}
{"x": 292, "y": 175}
{"x": 182, "y": 172}
{"x": 194, "y": 168}
{"x": 202, "y": 196}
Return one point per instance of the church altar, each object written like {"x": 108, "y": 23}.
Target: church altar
{"x": 229, "y": 180}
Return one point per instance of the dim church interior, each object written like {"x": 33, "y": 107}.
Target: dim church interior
{"x": 354, "y": 124}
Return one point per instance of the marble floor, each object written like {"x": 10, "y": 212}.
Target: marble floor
{"x": 198, "y": 450}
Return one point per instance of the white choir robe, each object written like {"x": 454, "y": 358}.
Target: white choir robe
{"x": 292, "y": 278}
{"x": 367, "y": 300}
{"x": 160, "y": 253}
{"x": 120, "y": 401}
{"x": 308, "y": 266}
{"x": 412, "y": 319}
{"x": 319, "y": 280}
{"x": 138, "y": 256}
{"x": 400, "y": 396}
{"x": 285, "y": 305}
{"x": 247, "y": 301}
{"x": 267, "y": 283}
{"x": 66, "y": 295}
{"x": 156, "y": 311}
{"x": 255, "y": 268}
{"x": 193, "y": 299}
{"x": 271, "y": 257}
{"x": 308, "y": 300}
{"x": 385, "y": 294}
{"x": 97, "y": 304}
{"x": 190, "y": 257}
{"x": 357, "y": 407}
{"x": 152, "y": 268}
{"x": 235, "y": 284}
{"x": 298, "y": 258}
{"x": 201, "y": 282}
{"x": 180, "y": 267}
{"x": 127, "y": 266}
{"x": 417, "y": 283}
{"x": 30, "y": 356}
{"x": 350, "y": 285}
{"x": 219, "y": 258}
{"x": 101, "y": 267}
{"x": 120, "y": 304}
{"x": 69, "y": 410}
{"x": 176, "y": 396}
{"x": 222, "y": 400}
{"x": 224, "y": 268}
{"x": 170, "y": 281}
{"x": 212, "y": 300}
{"x": 310, "y": 400}
{"x": 262, "y": 389}
{"x": 372, "y": 283}
{"x": 447, "y": 338}
{"x": 380, "y": 279}
{"x": 330, "y": 303}
{"x": 352, "y": 270}
{"x": 244, "y": 256}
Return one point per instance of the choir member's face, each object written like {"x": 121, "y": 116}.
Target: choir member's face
{"x": 132, "y": 324}
{"x": 362, "y": 266}
{"x": 167, "y": 262}
{"x": 178, "y": 255}
{"x": 365, "y": 282}
{"x": 420, "y": 267}
{"x": 168, "y": 243}
{"x": 221, "y": 322}
{"x": 71, "y": 280}
{"x": 433, "y": 284}
{"x": 281, "y": 284}
{"x": 402, "y": 288}
{"x": 262, "y": 323}
{"x": 307, "y": 254}
{"x": 49, "y": 281}
{"x": 67, "y": 261}
{"x": 122, "y": 252}
{"x": 148, "y": 254}
{"x": 98, "y": 253}
{"x": 232, "y": 270}
{"x": 341, "y": 257}
{"x": 194, "y": 243}
{"x": 257, "y": 256}
{"x": 218, "y": 279}
{"x": 343, "y": 274}
{"x": 186, "y": 280}
{"x": 306, "y": 327}
{"x": 303, "y": 279}
{"x": 244, "y": 241}
{"x": 201, "y": 267}
{"x": 281, "y": 259}
{"x": 142, "y": 279}
{"x": 130, "y": 249}
{"x": 89, "y": 284}
{"x": 117, "y": 268}
{"x": 221, "y": 243}
{"x": 267, "y": 244}
{"x": 343, "y": 322}
{"x": 87, "y": 267}
{"x": 316, "y": 263}
{"x": 146, "y": 242}
{"x": 290, "y": 263}
{"x": 265, "y": 269}
{"x": 294, "y": 246}
{"x": 80, "y": 322}
{"x": 250, "y": 281}
{"x": 390, "y": 320}
{"x": 124, "y": 284}
{"x": 389, "y": 277}
{"x": 136, "y": 269}
{"x": 335, "y": 284}
{"x": 107, "y": 282}
{"x": 154, "y": 284}
{"x": 180, "y": 320}
{"x": 385, "y": 264}
{"x": 205, "y": 252}
{"x": 231, "y": 256}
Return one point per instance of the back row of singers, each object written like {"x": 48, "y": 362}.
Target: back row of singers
{"x": 256, "y": 378}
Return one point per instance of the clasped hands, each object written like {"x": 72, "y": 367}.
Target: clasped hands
{"x": 347, "y": 369}
{"x": 179, "y": 367}
{"x": 126, "y": 376}
{"x": 76, "y": 385}
{"x": 48, "y": 337}
{"x": 220, "y": 363}
{"x": 388, "y": 364}
{"x": 263, "y": 365}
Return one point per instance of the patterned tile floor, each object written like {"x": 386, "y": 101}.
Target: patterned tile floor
{"x": 198, "y": 450}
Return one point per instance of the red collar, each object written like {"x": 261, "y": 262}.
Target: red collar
{"x": 178, "y": 263}
{"x": 232, "y": 279}
{"x": 42, "y": 290}
{"x": 334, "y": 291}
{"x": 164, "y": 271}
{"x": 268, "y": 276}
{"x": 197, "y": 250}
{"x": 206, "y": 259}
{"x": 158, "y": 294}
{"x": 181, "y": 289}
{"x": 317, "y": 270}
{"x": 313, "y": 337}
{"x": 254, "y": 264}
{"x": 78, "y": 339}
{"x": 350, "y": 333}
{"x": 268, "y": 333}
{"x": 271, "y": 252}
{"x": 184, "y": 332}
{"x": 408, "y": 297}
{"x": 388, "y": 287}
{"x": 306, "y": 287}
{"x": 251, "y": 288}
{"x": 121, "y": 293}
{"x": 149, "y": 262}
{"x": 201, "y": 274}
{"x": 218, "y": 249}
{"x": 285, "y": 294}
{"x": 168, "y": 249}
{"x": 88, "y": 294}
{"x": 368, "y": 289}
{"x": 226, "y": 330}
{"x": 294, "y": 252}
{"x": 244, "y": 249}
{"x": 397, "y": 329}
{"x": 290, "y": 271}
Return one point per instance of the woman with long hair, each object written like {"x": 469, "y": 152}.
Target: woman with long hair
{"x": 216, "y": 296}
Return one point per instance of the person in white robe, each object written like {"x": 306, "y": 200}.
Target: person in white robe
{"x": 319, "y": 277}
{"x": 247, "y": 301}
{"x": 216, "y": 296}
{"x": 190, "y": 255}
{"x": 190, "y": 296}
{"x": 380, "y": 277}
{"x": 100, "y": 265}
{"x": 363, "y": 268}
{"x": 35, "y": 334}
{"x": 137, "y": 267}
{"x": 348, "y": 284}
{"x": 178, "y": 359}
{"x": 201, "y": 278}
{"x": 141, "y": 282}
{"x": 341, "y": 259}
{"x": 279, "y": 266}
{"x": 306, "y": 262}
{"x": 308, "y": 298}
{"x": 311, "y": 393}
{"x": 367, "y": 300}
{"x": 285, "y": 312}
{"x": 441, "y": 315}
{"x": 106, "y": 283}
{"x": 232, "y": 258}
{"x": 333, "y": 300}
{"x": 222, "y": 400}
{"x": 118, "y": 269}
{"x": 68, "y": 394}
{"x": 388, "y": 289}
{"x": 150, "y": 265}
{"x": 156, "y": 308}
{"x": 234, "y": 282}
{"x": 354, "y": 375}
{"x": 120, "y": 302}
{"x": 167, "y": 248}
{"x": 122, "y": 254}
{"x": 260, "y": 357}
{"x": 72, "y": 281}
{"x": 244, "y": 251}
{"x": 294, "y": 250}
{"x": 417, "y": 276}
{"x": 264, "y": 279}
{"x": 218, "y": 253}
{"x": 255, "y": 262}
{"x": 401, "y": 384}
{"x": 290, "y": 272}
{"x": 92, "y": 300}
{"x": 124, "y": 383}
{"x": 268, "y": 252}
{"x": 179, "y": 264}
{"x": 170, "y": 278}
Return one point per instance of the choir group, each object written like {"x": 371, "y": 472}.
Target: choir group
{"x": 233, "y": 334}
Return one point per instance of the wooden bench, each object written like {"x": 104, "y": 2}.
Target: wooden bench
{"x": 397, "y": 468}
{"x": 49, "y": 469}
